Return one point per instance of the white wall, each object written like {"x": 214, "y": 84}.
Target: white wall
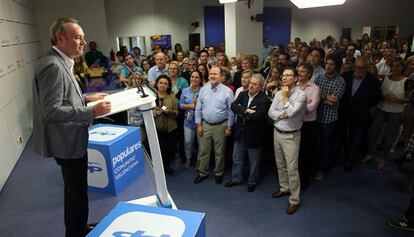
{"x": 146, "y": 18}
{"x": 20, "y": 48}
{"x": 321, "y": 22}
{"x": 90, "y": 14}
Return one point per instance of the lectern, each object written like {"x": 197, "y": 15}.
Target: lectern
{"x": 129, "y": 99}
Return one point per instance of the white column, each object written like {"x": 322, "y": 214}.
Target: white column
{"x": 241, "y": 34}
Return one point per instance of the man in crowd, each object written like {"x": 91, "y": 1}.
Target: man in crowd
{"x": 159, "y": 68}
{"x": 288, "y": 111}
{"x": 61, "y": 118}
{"x": 308, "y": 145}
{"x": 130, "y": 73}
{"x": 362, "y": 93}
{"x": 93, "y": 56}
{"x": 317, "y": 57}
{"x": 332, "y": 88}
{"x": 203, "y": 59}
{"x": 214, "y": 120}
{"x": 250, "y": 108}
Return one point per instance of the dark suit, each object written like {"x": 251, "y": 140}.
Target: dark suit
{"x": 248, "y": 133}
{"x": 60, "y": 120}
{"x": 354, "y": 112}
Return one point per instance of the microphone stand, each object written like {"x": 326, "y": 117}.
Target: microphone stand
{"x": 139, "y": 87}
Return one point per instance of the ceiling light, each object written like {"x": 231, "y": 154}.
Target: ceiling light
{"x": 227, "y": 1}
{"x": 316, "y": 3}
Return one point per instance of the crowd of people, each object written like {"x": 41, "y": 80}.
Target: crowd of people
{"x": 308, "y": 106}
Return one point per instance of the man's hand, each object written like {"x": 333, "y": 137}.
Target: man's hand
{"x": 200, "y": 130}
{"x": 332, "y": 98}
{"x": 101, "y": 108}
{"x": 285, "y": 93}
{"x": 96, "y": 96}
{"x": 227, "y": 132}
{"x": 282, "y": 115}
{"x": 250, "y": 111}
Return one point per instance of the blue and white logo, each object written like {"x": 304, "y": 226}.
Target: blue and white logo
{"x": 106, "y": 133}
{"x": 149, "y": 225}
{"x": 98, "y": 172}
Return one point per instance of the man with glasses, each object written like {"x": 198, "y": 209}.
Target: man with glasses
{"x": 362, "y": 93}
{"x": 288, "y": 111}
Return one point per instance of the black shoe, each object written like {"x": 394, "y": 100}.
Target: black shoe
{"x": 348, "y": 168}
{"x": 90, "y": 227}
{"x": 218, "y": 179}
{"x": 231, "y": 184}
{"x": 251, "y": 188}
{"x": 199, "y": 179}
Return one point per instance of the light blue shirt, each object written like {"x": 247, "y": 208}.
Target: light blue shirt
{"x": 294, "y": 109}
{"x": 214, "y": 105}
{"x": 125, "y": 71}
{"x": 187, "y": 97}
{"x": 318, "y": 72}
{"x": 154, "y": 72}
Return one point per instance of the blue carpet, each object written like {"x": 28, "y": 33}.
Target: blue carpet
{"x": 344, "y": 204}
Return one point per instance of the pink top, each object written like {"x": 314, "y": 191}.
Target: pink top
{"x": 313, "y": 95}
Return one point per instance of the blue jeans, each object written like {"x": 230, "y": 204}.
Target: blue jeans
{"x": 189, "y": 141}
{"x": 239, "y": 154}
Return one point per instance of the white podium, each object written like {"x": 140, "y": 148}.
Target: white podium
{"x": 129, "y": 99}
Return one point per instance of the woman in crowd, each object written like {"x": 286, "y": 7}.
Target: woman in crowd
{"x": 409, "y": 66}
{"x": 272, "y": 83}
{"x": 204, "y": 72}
{"x": 246, "y": 63}
{"x": 178, "y": 83}
{"x": 389, "y": 113}
{"x": 177, "y": 48}
{"x": 165, "y": 112}
{"x": 188, "y": 102}
{"x": 145, "y": 65}
{"x": 245, "y": 79}
{"x": 405, "y": 51}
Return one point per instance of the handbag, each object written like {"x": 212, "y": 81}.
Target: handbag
{"x": 161, "y": 123}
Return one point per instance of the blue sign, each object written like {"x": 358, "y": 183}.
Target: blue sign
{"x": 115, "y": 157}
{"x": 132, "y": 220}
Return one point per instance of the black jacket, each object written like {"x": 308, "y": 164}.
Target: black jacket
{"x": 354, "y": 110}
{"x": 249, "y": 127}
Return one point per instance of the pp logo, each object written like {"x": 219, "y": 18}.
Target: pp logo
{"x": 94, "y": 167}
{"x": 104, "y": 134}
{"x": 144, "y": 224}
{"x": 97, "y": 170}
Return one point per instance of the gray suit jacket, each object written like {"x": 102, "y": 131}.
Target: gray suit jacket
{"x": 60, "y": 115}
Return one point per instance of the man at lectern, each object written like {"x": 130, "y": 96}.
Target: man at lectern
{"x": 61, "y": 119}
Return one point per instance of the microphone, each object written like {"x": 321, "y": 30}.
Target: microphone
{"x": 138, "y": 85}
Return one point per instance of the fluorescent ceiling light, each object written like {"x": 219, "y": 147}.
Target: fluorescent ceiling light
{"x": 227, "y": 1}
{"x": 316, "y": 3}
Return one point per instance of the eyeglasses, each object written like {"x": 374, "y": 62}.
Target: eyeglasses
{"x": 288, "y": 75}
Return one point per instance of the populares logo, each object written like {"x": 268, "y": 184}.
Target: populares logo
{"x": 104, "y": 134}
{"x": 144, "y": 224}
{"x": 97, "y": 170}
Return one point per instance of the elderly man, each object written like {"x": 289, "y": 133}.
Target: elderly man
{"x": 288, "y": 111}
{"x": 250, "y": 108}
{"x": 61, "y": 118}
{"x": 160, "y": 67}
{"x": 362, "y": 93}
{"x": 214, "y": 120}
